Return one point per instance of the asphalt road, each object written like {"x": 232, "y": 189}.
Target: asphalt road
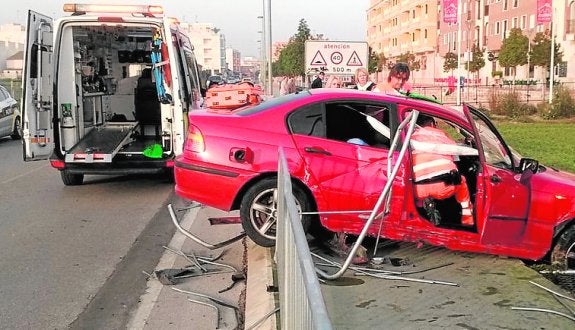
{"x": 72, "y": 257}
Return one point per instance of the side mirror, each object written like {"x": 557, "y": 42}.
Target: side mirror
{"x": 529, "y": 164}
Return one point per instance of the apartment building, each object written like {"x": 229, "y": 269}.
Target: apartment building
{"x": 398, "y": 26}
{"x": 209, "y": 46}
{"x": 11, "y": 42}
{"x": 233, "y": 60}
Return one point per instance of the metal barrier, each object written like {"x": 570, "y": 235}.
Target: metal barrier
{"x": 301, "y": 302}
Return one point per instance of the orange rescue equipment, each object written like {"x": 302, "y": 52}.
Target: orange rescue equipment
{"x": 233, "y": 96}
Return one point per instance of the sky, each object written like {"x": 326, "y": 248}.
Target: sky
{"x": 338, "y": 20}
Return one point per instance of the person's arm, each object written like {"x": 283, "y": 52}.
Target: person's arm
{"x": 443, "y": 149}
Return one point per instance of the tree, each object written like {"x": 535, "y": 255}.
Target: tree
{"x": 292, "y": 56}
{"x": 450, "y": 63}
{"x": 409, "y": 58}
{"x": 477, "y": 61}
{"x": 514, "y": 50}
{"x": 541, "y": 51}
{"x": 375, "y": 61}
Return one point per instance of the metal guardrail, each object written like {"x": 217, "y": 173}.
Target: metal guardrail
{"x": 301, "y": 302}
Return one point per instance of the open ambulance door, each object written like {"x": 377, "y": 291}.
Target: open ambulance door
{"x": 37, "y": 88}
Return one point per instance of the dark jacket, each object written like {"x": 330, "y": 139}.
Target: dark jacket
{"x": 317, "y": 83}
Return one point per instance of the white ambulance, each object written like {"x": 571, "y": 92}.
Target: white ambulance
{"x": 107, "y": 90}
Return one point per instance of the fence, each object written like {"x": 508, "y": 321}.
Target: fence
{"x": 301, "y": 302}
{"x": 480, "y": 94}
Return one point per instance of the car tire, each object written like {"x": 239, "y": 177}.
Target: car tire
{"x": 16, "y": 132}
{"x": 71, "y": 179}
{"x": 259, "y": 209}
{"x": 563, "y": 254}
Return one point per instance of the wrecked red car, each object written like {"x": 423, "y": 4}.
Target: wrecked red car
{"x": 338, "y": 162}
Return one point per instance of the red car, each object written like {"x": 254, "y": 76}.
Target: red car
{"x": 520, "y": 208}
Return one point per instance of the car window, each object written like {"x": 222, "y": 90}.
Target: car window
{"x": 493, "y": 148}
{"x": 347, "y": 122}
{"x": 308, "y": 121}
{"x": 3, "y": 94}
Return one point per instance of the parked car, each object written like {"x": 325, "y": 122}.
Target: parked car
{"x": 10, "y": 120}
{"x": 521, "y": 208}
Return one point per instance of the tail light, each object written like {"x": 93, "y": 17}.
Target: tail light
{"x": 195, "y": 140}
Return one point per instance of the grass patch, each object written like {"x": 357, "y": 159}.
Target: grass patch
{"x": 551, "y": 143}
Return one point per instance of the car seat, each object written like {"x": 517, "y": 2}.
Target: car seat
{"x": 146, "y": 103}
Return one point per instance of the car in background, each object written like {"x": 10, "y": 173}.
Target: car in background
{"x": 218, "y": 80}
{"x": 520, "y": 208}
{"x": 10, "y": 119}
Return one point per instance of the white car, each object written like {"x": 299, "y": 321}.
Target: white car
{"x": 10, "y": 120}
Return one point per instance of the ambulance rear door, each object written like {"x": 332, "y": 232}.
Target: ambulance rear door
{"x": 37, "y": 93}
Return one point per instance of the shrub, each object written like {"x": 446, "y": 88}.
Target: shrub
{"x": 497, "y": 73}
{"x": 510, "y": 105}
{"x": 563, "y": 104}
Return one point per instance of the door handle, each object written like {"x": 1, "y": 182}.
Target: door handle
{"x": 495, "y": 178}
{"x": 316, "y": 150}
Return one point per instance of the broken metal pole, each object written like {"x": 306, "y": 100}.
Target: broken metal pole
{"x": 198, "y": 240}
{"x": 209, "y": 305}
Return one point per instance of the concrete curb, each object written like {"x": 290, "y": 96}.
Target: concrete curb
{"x": 260, "y": 302}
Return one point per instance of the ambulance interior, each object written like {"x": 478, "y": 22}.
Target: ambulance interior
{"x": 107, "y": 92}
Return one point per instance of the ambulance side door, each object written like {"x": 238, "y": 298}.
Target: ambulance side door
{"x": 37, "y": 88}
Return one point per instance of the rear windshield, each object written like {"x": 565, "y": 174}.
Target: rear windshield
{"x": 273, "y": 102}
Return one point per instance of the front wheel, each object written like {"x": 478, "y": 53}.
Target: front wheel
{"x": 71, "y": 179}
{"x": 258, "y": 211}
{"x": 563, "y": 254}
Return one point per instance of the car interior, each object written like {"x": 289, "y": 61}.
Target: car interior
{"x": 449, "y": 210}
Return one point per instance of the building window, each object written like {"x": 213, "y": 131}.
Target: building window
{"x": 515, "y": 3}
{"x": 425, "y": 33}
{"x": 524, "y": 22}
{"x": 505, "y": 4}
{"x": 515, "y": 23}
{"x": 426, "y": 9}
{"x": 497, "y": 27}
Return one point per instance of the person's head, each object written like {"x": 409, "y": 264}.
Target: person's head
{"x": 361, "y": 76}
{"x": 321, "y": 75}
{"x": 398, "y": 75}
{"x": 333, "y": 82}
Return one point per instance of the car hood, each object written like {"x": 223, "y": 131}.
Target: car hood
{"x": 555, "y": 181}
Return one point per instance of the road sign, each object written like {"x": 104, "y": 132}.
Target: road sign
{"x": 335, "y": 57}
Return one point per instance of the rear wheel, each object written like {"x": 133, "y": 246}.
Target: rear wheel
{"x": 258, "y": 211}
{"x": 17, "y": 130}
{"x": 71, "y": 179}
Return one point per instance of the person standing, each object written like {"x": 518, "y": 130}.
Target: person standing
{"x": 398, "y": 76}
{"x": 318, "y": 82}
{"x": 362, "y": 81}
{"x": 333, "y": 82}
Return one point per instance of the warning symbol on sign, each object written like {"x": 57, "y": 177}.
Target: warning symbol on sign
{"x": 354, "y": 60}
{"x": 318, "y": 59}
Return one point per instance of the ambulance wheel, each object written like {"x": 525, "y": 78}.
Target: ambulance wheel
{"x": 258, "y": 211}
{"x": 71, "y": 179}
{"x": 563, "y": 254}
{"x": 17, "y": 130}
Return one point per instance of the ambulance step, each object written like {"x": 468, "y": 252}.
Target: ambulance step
{"x": 101, "y": 144}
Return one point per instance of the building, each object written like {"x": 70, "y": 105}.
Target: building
{"x": 209, "y": 45}
{"x": 233, "y": 60}
{"x": 277, "y": 48}
{"x": 12, "y": 38}
{"x": 14, "y": 65}
{"x": 396, "y": 27}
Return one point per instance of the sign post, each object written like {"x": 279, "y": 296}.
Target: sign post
{"x": 335, "y": 57}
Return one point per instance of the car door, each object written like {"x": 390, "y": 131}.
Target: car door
{"x": 347, "y": 177}
{"x": 37, "y": 105}
{"x": 500, "y": 192}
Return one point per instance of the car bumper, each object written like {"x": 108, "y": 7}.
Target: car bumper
{"x": 209, "y": 185}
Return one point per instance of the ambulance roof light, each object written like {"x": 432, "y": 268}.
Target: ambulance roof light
{"x": 145, "y": 10}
